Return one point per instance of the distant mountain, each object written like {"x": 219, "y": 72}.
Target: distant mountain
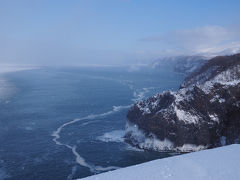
{"x": 203, "y": 113}
{"x": 181, "y": 64}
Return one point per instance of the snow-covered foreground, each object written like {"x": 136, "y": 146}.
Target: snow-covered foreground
{"x": 216, "y": 164}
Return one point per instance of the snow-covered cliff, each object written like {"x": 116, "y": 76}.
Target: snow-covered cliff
{"x": 203, "y": 113}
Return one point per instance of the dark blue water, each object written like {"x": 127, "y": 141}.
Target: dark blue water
{"x": 68, "y": 123}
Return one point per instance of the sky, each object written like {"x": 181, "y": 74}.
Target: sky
{"x": 76, "y": 32}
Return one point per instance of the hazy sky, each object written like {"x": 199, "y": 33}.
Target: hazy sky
{"x": 58, "y": 32}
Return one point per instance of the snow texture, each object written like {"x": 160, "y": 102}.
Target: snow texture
{"x": 186, "y": 116}
{"x": 214, "y": 164}
{"x": 225, "y": 78}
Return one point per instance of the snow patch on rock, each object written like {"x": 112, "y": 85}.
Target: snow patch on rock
{"x": 225, "y": 78}
{"x": 214, "y": 117}
{"x": 144, "y": 108}
{"x": 190, "y": 148}
{"x": 153, "y": 143}
{"x": 185, "y": 116}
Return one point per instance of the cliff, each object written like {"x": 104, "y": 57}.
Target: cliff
{"x": 203, "y": 113}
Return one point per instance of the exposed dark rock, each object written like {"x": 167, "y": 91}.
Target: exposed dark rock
{"x": 203, "y": 113}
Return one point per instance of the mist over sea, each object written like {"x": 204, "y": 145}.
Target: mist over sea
{"x": 68, "y": 123}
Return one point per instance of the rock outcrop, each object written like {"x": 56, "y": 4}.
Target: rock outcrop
{"x": 203, "y": 113}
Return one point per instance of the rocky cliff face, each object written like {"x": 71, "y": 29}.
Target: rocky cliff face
{"x": 203, "y": 113}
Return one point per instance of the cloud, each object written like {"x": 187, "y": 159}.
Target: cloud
{"x": 205, "y": 40}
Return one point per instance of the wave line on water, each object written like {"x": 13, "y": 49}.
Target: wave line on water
{"x": 80, "y": 160}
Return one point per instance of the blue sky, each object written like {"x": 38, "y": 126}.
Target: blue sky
{"x": 115, "y": 31}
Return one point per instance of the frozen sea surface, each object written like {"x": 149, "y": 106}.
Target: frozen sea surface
{"x": 68, "y": 123}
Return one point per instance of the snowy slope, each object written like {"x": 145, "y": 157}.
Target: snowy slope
{"x": 214, "y": 164}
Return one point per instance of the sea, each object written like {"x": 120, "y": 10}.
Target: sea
{"x": 67, "y": 123}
